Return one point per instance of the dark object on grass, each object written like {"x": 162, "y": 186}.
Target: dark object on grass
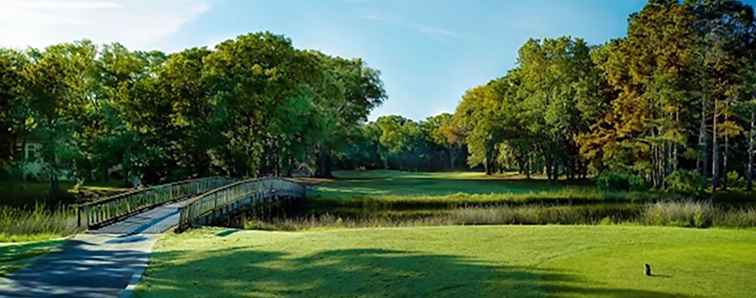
{"x": 648, "y": 270}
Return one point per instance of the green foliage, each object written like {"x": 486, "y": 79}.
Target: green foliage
{"x": 735, "y": 180}
{"x": 620, "y": 181}
{"x": 252, "y": 106}
{"x": 686, "y": 182}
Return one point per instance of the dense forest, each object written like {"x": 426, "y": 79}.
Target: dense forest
{"x": 672, "y": 104}
{"x": 669, "y": 105}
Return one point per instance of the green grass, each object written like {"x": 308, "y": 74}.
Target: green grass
{"x": 17, "y": 255}
{"x": 488, "y": 261}
{"x": 37, "y": 223}
{"x": 453, "y": 189}
{"x": 27, "y": 213}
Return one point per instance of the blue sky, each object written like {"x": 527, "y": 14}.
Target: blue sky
{"x": 429, "y": 52}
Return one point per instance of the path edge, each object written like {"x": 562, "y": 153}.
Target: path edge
{"x": 128, "y": 291}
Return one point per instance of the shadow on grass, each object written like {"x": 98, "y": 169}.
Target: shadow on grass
{"x": 16, "y": 256}
{"x": 77, "y": 269}
{"x": 357, "y": 272}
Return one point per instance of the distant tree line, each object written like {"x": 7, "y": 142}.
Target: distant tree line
{"x": 253, "y": 105}
{"x": 672, "y": 102}
{"x": 395, "y": 142}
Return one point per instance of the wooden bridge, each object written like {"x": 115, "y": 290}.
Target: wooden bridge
{"x": 109, "y": 259}
{"x": 183, "y": 205}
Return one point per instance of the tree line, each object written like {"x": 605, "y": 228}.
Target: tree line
{"x": 254, "y": 105}
{"x": 672, "y": 101}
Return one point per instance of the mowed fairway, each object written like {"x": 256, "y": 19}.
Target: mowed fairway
{"x": 459, "y": 261}
{"x": 356, "y": 184}
{"x": 449, "y": 187}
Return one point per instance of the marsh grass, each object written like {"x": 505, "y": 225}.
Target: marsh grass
{"x": 36, "y": 223}
{"x": 696, "y": 214}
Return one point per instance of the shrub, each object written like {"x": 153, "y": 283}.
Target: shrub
{"x": 620, "y": 181}
{"x": 734, "y": 180}
{"x": 685, "y": 182}
{"x": 738, "y": 218}
{"x": 683, "y": 214}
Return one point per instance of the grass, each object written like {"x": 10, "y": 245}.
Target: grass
{"x": 403, "y": 199}
{"x": 456, "y": 261}
{"x": 37, "y": 223}
{"x": 28, "y": 214}
{"x": 454, "y": 189}
{"x": 695, "y": 214}
{"x": 17, "y": 255}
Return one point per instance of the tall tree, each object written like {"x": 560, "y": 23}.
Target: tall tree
{"x": 60, "y": 86}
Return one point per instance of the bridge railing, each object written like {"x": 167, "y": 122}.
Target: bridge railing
{"x": 229, "y": 195}
{"x": 110, "y": 209}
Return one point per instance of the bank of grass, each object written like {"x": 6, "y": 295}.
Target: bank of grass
{"x": 455, "y": 261}
{"x": 36, "y": 223}
{"x": 14, "y": 256}
{"x": 690, "y": 214}
{"x": 28, "y": 213}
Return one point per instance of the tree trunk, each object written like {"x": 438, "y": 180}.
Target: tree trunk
{"x": 675, "y": 157}
{"x": 701, "y": 163}
{"x": 749, "y": 168}
{"x": 54, "y": 185}
{"x": 724, "y": 161}
{"x": 714, "y": 153}
{"x": 486, "y": 167}
{"x": 451, "y": 158}
{"x": 324, "y": 163}
{"x": 528, "y": 165}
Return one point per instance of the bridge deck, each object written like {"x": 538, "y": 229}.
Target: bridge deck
{"x": 154, "y": 221}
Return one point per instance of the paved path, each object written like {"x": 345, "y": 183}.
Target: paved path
{"x": 100, "y": 263}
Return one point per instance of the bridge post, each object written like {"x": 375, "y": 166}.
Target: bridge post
{"x": 78, "y": 216}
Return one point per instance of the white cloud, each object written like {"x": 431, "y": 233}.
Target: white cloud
{"x": 138, "y": 24}
{"x": 429, "y": 30}
{"x": 435, "y": 31}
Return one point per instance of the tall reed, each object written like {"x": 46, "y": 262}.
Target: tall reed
{"x": 35, "y": 223}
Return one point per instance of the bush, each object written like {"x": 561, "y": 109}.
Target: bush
{"x": 734, "y": 180}
{"x": 685, "y": 182}
{"x": 682, "y": 214}
{"x": 620, "y": 181}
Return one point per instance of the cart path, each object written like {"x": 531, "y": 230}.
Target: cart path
{"x": 99, "y": 263}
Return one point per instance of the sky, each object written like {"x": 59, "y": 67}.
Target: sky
{"x": 428, "y": 51}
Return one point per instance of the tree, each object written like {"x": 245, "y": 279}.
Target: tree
{"x": 60, "y": 89}
{"x": 726, "y": 32}
{"x": 648, "y": 71}
{"x": 347, "y": 92}
{"x": 442, "y": 132}
{"x": 14, "y": 103}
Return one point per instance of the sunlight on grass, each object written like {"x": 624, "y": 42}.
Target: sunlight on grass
{"x": 490, "y": 261}
{"x": 457, "y": 188}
